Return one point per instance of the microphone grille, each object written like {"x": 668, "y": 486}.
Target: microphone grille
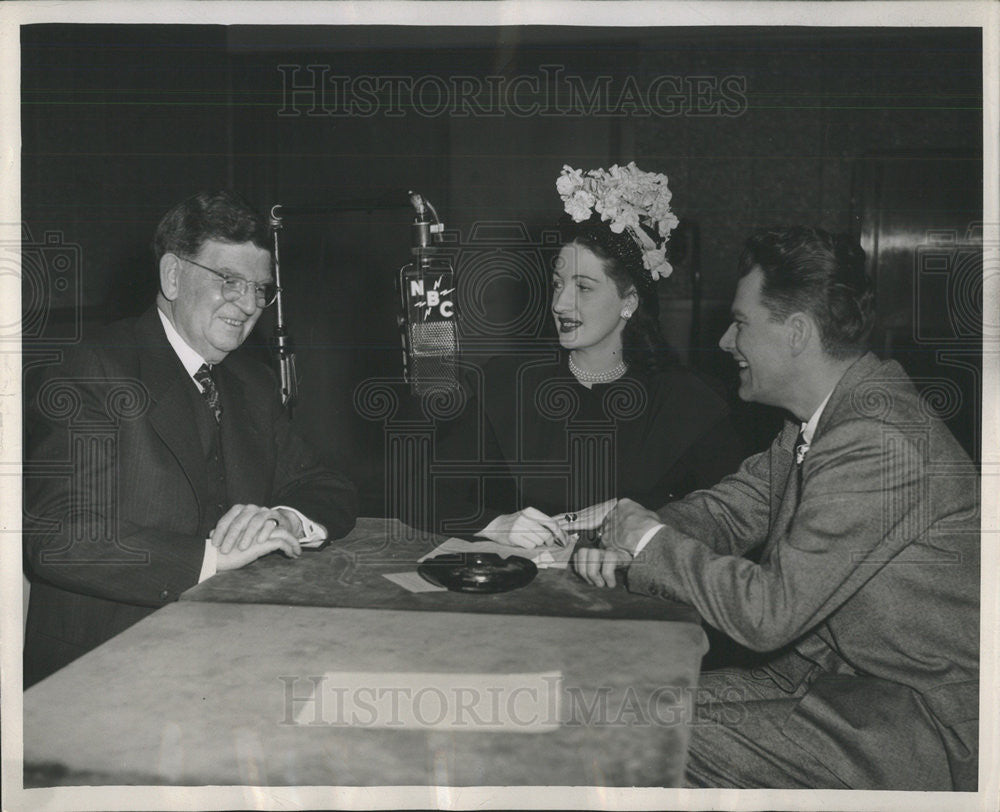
{"x": 433, "y": 338}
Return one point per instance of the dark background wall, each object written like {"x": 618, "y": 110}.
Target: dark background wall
{"x": 754, "y": 127}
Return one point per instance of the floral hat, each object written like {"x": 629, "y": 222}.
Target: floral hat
{"x": 631, "y": 200}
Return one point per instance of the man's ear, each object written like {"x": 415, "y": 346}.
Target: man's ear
{"x": 170, "y": 268}
{"x": 801, "y": 331}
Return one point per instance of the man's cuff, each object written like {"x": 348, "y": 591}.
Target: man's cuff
{"x": 210, "y": 563}
{"x": 646, "y": 537}
{"x": 312, "y": 532}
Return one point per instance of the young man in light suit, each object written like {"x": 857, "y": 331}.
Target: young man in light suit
{"x": 865, "y": 515}
{"x": 184, "y": 462}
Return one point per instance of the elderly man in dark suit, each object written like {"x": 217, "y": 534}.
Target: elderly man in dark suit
{"x": 183, "y": 460}
{"x": 864, "y": 514}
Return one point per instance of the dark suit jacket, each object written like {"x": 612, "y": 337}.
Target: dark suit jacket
{"x": 119, "y": 497}
{"x": 868, "y": 581}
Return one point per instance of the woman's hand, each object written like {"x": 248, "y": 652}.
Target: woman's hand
{"x": 590, "y": 518}
{"x": 528, "y": 528}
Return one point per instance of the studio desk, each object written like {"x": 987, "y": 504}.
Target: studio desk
{"x": 320, "y": 671}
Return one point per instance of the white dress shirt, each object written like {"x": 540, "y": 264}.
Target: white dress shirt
{"x": 192, "y": 362}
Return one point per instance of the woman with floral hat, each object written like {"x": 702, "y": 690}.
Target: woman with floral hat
{"x": 606, "y": 414}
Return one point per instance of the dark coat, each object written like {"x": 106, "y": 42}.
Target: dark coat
{"x": 123, "y": 531}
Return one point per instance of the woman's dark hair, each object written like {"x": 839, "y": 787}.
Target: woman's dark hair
{"x": 223, "y": 216}
{"x": 643, "y": 346}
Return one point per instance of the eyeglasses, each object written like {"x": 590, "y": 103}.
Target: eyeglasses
{"x": 235, "y": 287}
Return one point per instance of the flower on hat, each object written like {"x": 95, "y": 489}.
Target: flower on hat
{"x": 628, "y": 199}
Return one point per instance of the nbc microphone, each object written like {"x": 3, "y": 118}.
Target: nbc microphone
{"x": 428, "y": 321}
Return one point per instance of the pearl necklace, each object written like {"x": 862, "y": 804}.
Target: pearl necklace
{"x": 605, "y": 376}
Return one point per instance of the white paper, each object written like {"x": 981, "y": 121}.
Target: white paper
{"x": 413, "y": 581}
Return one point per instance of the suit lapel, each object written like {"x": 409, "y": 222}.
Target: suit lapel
{"x": 784, "y": 483}
{"x": 782, "y": 479}
{"x": 171, "y": 389}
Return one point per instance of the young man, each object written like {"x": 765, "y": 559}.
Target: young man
{"x": 866, "y": 513}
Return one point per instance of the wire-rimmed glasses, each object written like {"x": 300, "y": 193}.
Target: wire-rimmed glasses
{"x": 236, "y": 287}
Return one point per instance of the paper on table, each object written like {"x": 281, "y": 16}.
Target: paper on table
{"x": 413, "y": 581}
{"x": 544, "y": 557}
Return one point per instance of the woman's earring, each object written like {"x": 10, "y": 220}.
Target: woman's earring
{"x": 626, "y": 313}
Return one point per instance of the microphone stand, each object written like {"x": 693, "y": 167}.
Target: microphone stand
{"x": 282, "y": 343}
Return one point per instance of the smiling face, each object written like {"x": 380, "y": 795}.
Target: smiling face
{"x": 211, "y": 325}
{"x": 760, "y": 346}
{"x": 586, "y": 304}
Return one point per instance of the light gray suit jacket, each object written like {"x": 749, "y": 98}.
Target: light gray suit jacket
{"x": 867, "y": 585}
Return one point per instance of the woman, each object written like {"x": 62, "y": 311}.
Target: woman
{"x": 607, "y": 414}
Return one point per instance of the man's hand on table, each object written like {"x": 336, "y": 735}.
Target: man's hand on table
{"x": 243, "y": 527}
{"x": 276, "y": 540}
{"x": 619, "y": 534}
{"x": 597, "y": 566}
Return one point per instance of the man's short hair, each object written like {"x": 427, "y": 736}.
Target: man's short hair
{"x": 223, "y": 216}
{"x": 810, "y": 270}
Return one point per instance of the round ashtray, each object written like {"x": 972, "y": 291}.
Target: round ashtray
{"x": 478, "y": 572}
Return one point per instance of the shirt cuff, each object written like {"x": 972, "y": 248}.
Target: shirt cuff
{"x": 312, "y": 532}
{"x": 646, "y": 537}
{"x": 210, "y": 563}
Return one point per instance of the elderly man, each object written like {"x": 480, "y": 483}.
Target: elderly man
{"x": 864, "y": 513}
{"x": 183, "y": 461}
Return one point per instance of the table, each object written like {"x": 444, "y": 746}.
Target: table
{"x": 349, "y": 572}
{"x": 206, "y": 691}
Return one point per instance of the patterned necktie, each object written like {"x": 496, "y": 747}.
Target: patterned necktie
{"x": 209, "y": 390}
{"x": 800, "y": 450}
